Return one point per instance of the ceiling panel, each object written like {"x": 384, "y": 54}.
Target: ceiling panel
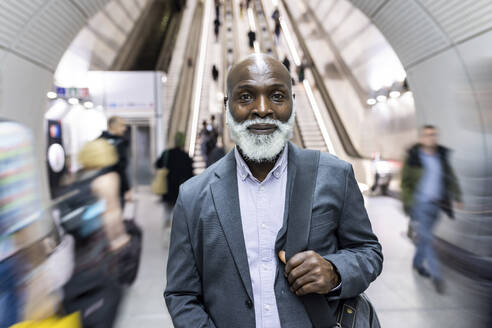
{"x": 368, "y": 7}
{"x": 410, "y": 30}
{"x": 90, "y": 7}
{"x": 461, "y": 19}
{"x": 45, "y": 38}
{"x": 14, "y": 15}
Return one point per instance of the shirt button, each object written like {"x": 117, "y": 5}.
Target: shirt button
{"x": 267, "y": 307}
{"x": 249, "y": 304}
{"x": 264, "y": 226}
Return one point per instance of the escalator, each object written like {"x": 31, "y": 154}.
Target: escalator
{"x": 151, "y": 46}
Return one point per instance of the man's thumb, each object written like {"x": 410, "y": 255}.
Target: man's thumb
{"x": 281, "y": 255}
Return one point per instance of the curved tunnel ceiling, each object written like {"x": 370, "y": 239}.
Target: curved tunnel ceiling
{"x": 34, "y": 35}
{"x": 443, "y": 45}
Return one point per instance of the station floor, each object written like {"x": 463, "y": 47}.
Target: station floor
{"x": 402, "y": 298}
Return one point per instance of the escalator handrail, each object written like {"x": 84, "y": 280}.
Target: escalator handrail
{"x": 342, "y": 133}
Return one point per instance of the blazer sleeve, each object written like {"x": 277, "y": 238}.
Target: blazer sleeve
{"x": 183, "y": 292}
{"x": 359, "y": 259}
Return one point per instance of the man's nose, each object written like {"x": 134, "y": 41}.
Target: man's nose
{"x": 263, "y": 109}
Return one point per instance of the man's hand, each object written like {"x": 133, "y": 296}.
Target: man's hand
{"x": 309, "y": 273}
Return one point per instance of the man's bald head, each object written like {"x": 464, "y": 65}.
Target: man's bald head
{"x": 258, "y": 67}
{"x": 260, "y": 107}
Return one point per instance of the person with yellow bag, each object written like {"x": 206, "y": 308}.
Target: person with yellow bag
{"x": 179, "y": 168}
{"x": 69, "y": 321}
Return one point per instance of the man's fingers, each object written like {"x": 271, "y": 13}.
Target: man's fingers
{"x": 301, "y": 281}
{"x": 309, "y": 288}
{"x": 297, "y": 272}
{"x": 281, "y": 255}
{"x": 294, "y": 261}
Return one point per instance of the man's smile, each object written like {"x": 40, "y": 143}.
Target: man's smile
{"x": 262, "y": 128}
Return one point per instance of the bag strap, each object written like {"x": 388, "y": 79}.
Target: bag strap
{"x": 298, "y": 232}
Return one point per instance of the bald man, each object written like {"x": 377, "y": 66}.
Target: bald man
{"x": 231, "y": 221}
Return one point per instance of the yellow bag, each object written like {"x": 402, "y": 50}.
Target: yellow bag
{"x": 69, "y": 321}
{"x": 159, "y": 184}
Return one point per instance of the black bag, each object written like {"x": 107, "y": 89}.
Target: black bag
{"x": 356, "y": 312}
{"x": 95, "y": 295}
{"x": 359, "y": 307}
{"x": 81, "y": 212}
{"x": 129, "y": 256}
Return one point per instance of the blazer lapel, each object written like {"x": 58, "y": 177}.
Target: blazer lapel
{"x": 226, "y": 199}
{"x": 291, "y": 174}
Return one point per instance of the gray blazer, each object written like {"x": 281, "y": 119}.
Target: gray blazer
{"x": 208, "y": 281}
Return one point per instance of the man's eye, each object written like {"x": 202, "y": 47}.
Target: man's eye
{"x": 278, "y": 96}
{"x": 245, "y": 97}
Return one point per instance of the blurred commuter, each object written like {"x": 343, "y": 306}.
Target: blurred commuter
{"x": 116, "y": 136}
{"x": 276, "y": 19}
{"x": 229, "y": 226}
{"x": 286, "y": 63}
{"x": 215, "y": 73}
{"x": 205, "y": 137}
{"x": 102, "y": 243}
{"x": 428, "y": 185}
{"x": 276, "y": 15}
{"x": 217, "y": 8}
{"x": 180, "y": 167}
{"x": 241, "y": 8}
{"x": 382, "y": 175}
{"x": 301, "y": 72}
{"x": 213, "y": 129}
{"x": 35, "y": 261}
{"x": 98, "y": 158}
{"x": 248, "y": 2}
{"x": 215, "y": 154}
{"x": 10, "y": 294}
{"x": 277, "y": 31}
{"x": 216, "y": 29}
{"x": 251, "y": 39}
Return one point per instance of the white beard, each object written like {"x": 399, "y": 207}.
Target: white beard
{"x": 260, "y": 147}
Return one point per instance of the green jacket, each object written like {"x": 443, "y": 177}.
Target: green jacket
{"x": 412, "y": 172}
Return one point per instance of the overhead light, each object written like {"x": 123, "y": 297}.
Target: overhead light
{"x": 89, "y": 104}
{"x": 371, "y": 101}
{"x": 395, "y": 94}
{"x": 51, "y": 95}
{"x": 73, "y": 101}
{"x": 381, "y": 98}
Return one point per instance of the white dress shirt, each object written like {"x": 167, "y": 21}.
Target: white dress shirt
{"x": 262, "y": 211}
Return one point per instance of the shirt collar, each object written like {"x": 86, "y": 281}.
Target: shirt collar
{"x": 243, "y": 170}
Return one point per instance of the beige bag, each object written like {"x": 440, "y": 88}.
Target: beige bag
{"x": 159, "y": 184}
